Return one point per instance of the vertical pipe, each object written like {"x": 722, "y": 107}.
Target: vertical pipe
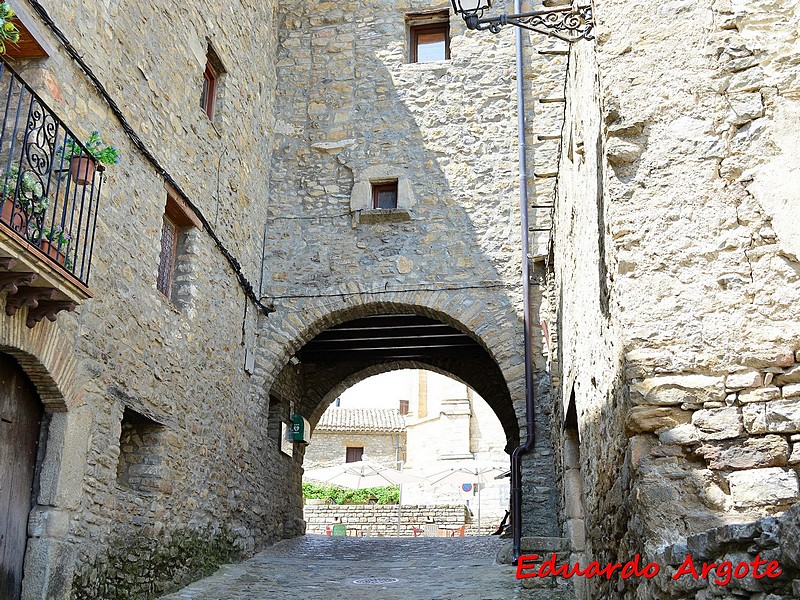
{"x": 516, "y": 455}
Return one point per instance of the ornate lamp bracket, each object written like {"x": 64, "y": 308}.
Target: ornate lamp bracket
{"x": 568, "y": 23}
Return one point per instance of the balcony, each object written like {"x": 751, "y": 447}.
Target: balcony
{"x": 49, "y": 192}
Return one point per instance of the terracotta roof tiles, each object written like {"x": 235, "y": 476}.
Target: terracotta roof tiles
{"x": 361, "y": 419}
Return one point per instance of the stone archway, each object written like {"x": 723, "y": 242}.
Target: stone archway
{"x": 490, "y": 319}
{"x": 485, "y": 316}
{"x": 49, "y": 362}
{"x": 494, "y": 369}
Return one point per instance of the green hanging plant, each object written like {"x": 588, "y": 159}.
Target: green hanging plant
{"x": 8, "y": 31}
{"x": 108, "y": 155}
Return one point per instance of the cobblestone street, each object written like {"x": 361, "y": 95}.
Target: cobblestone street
{"x": 320, "y": 567}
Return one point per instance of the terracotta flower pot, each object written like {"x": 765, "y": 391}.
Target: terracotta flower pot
{"x": 81, "y": 169}
{"x": 20, "y": 219}
{"x": 51, "y": 249}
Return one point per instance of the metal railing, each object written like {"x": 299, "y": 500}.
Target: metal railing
{"x": 50, "y": 184}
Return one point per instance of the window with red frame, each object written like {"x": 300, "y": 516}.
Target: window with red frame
{"x": 208, "y": 98}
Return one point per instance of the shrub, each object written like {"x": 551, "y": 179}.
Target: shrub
{"x": 340, "y": 495}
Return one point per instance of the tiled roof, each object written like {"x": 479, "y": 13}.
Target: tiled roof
{"x": 361, "y": 419}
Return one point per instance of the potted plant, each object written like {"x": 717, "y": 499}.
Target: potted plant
{"x": 8, "y": 31}
{"x": 55, "y": 243}
{"x": 81, "y": 165}
{"x": 27, "y": 193}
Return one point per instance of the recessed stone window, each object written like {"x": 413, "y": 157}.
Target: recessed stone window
{"x": 141, "y": 448}
{"x": 212, "y": 83}
{"x": 382, "y": 193}
{"x": 428, "y": 37}
{"x": 179, "y": 229}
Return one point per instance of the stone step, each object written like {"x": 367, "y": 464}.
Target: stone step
{"x": 543, "y": 546}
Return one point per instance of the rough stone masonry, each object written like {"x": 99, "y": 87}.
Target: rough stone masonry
{"x": 675, "y": 282}
{"x": 667, "y": 374}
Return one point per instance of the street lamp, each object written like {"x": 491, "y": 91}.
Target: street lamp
{"x": 569, "y": 23}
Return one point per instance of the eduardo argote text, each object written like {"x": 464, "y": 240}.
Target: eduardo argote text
{"x": 720, "y": 573}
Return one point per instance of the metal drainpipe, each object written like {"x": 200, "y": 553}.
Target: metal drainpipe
{"x": 516, "y": 455}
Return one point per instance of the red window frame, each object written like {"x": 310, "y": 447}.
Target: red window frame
{"x": 208, "y": 98}
{"x": 428, "y": 28}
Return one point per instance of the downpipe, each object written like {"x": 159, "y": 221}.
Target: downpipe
{"x": 527, "y": 445}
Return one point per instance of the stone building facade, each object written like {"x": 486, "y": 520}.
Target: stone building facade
{"x": 154, "y": 442}
{"x": 666, "y": 377}
{"x": 349, "y": 434}
{"x": 673, "y": 271}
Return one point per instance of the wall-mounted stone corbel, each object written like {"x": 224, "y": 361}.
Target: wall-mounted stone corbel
{"x": 11, "y": 281}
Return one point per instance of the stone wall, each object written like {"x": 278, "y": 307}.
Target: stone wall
{"x": 675, "y": 270}
{"x": 382, "y": 520}
{"x": 183, "y": 367}
{"x": 769, "y": 539}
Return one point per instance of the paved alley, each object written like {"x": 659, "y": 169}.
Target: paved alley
{"x": 319, "y": 567}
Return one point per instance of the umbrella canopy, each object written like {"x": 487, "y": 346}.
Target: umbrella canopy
{"x": 361, "y": 474}
{"x": 474, "y": 472}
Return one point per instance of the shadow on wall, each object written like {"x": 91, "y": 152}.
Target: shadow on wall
{"x": 351, "y": 114}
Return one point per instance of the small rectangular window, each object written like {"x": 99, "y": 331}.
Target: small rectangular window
{"x": 213, "y": 83}
{"x": 429, "y": 37}
{"x": 209, "y": 94}
{"x": 404, "y": 405}
{"x": 384, "y": 195}
{"x": 354, "y": 454}
{"x": 166, "y": 264}
{"x": 177, "y": 221}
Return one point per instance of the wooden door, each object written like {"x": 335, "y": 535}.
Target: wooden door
{"x": 20, "y": 419}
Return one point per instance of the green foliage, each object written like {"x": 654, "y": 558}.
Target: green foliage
{"x": 31, "y": 192}
{"x": 341, "y": 495}
{"x": 8, "y": 31}
{"x": 143, "y": 568}
{"x": 108, "y": 155}
{"x": 57, "y": 236}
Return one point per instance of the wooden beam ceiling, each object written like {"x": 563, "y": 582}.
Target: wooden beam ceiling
{"x": 389, "y": 337}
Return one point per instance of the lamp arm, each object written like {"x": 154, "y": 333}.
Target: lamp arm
{"x": 568, "y": 23}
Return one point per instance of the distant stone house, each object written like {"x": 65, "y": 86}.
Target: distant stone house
{"x": 350, "y": 434}
{"x": 439, "y": 424}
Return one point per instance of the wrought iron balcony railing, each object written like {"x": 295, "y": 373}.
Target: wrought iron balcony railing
{"x": 49, "y": 183}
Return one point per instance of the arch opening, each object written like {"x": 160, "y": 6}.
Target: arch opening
{"x": 410, "y": 422}
{"x": 317, "y": 358}
{"x": 401, "y": 337}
